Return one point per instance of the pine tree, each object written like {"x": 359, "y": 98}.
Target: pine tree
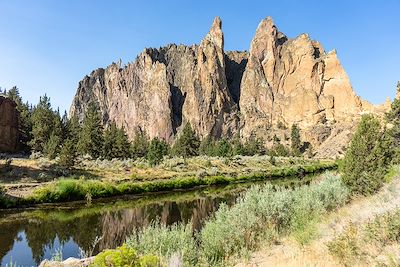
{"x": 52, "y": 146}
{"x": 295, "y": 140}
{"x": 73, "y": 129}
{"x": 187, "y": 144}
{"x": 68, "y": 154}
{"x": 109, "y": 144}
{"x": 122, "y": 144}
{"x": 91, "y": 136}
{"x": 157, "y": 150}
{"x": 224, "y": 148}
{"x": 42, "y": 124}
{"x": 237, "y": 147}
{"x": 254, "y": 146}
{"x": 139, "y": 145}
{"x": 366, "y": 159}
{"x": 207, "y": 147}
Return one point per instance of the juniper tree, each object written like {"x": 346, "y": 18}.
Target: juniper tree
{"x": 393, "y": 117}
{"x": 366, "y": 160}
{"x": 295, "y": 140}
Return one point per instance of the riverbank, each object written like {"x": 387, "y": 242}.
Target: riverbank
{"x": 200, "y": 172}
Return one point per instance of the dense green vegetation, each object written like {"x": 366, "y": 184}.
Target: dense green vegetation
{"x": 124, "y": 256}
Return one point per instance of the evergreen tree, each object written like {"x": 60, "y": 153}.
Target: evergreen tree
{"x": 109, "y": 144}
{"x": 52, "y": 146}
{"x": 91, "y": 136}
{"x": 237, "y": 147}
{"x": 116, "y": 143}
{"x": 295, "y": 140}
{"x": 366, "y": 159}
{"x": 73, "y": 129}
{"x": 278, "y": 149}
{"x": 139, "y": 145}
{"x": 42, "y": 124}
{"x": 254, "y": 146}
{"x": 187, "y": 144}
{"x": 157, "y": 150}
{"x": 68, "y": 154}
{"x": 207, "y": 147}
{"x": 224, "y": 148}
{"x": 393, "y": 117}
{"x": 122, "y": 144}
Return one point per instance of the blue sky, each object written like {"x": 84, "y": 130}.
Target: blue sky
{"x": 47, "y": 46}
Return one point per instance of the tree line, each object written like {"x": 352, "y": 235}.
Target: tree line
{"x": 44, "y": 130}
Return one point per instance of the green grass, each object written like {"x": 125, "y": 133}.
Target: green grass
{"x": 70, "y": 189}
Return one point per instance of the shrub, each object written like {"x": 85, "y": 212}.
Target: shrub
{"x": 124, "y": 256}
{"x": 166, "y": 241}
{"x": 268, "y": 211}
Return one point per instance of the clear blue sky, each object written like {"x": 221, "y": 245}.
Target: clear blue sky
{"x": 47, "y": 46}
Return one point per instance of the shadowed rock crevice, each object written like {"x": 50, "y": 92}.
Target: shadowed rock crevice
{"x": 235, "y": 64}
{"x": 178, "y": 99}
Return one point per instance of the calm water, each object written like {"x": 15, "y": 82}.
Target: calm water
{"x": 29, "y": 236}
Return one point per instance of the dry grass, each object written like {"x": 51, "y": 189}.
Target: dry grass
{"x": 359, "y": 212}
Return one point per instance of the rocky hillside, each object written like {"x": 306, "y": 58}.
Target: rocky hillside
{"x": 280, "y": 81}
{"x": 9, "y": 136}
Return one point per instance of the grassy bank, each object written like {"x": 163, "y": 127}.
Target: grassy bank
{"x": 269, "y": 213}
{"x": 79, "y": 189}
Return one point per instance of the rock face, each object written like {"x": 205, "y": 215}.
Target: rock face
{"x": 8, "y": 125}
{"x": 164, "y": 89}
{"x": 279, "y": 81}
{"x": 293, "y": 81}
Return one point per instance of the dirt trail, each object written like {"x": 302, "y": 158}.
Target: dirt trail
{"x": 290, "y": 253}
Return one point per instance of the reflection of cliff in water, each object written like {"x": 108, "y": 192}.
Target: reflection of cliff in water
{"x": 113, "y": 226}
{"x": 116, "y": 226}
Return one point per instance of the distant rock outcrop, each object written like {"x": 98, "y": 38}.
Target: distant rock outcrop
{"x": 280, "y": 81}
{"x": 9, "y": 134}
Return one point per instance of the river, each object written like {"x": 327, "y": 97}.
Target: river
{"x": 28, "y": 236}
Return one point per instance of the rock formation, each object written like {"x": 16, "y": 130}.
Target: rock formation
{"x": 8, "y": 125}
{"x": 279, "y": 81}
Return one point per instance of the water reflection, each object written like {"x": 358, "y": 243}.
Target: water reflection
{"x": 32, "y": 236}
{"x": 27, "y": 237}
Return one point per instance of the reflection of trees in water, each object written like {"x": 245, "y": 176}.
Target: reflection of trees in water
{"x": 113, "y": 226}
